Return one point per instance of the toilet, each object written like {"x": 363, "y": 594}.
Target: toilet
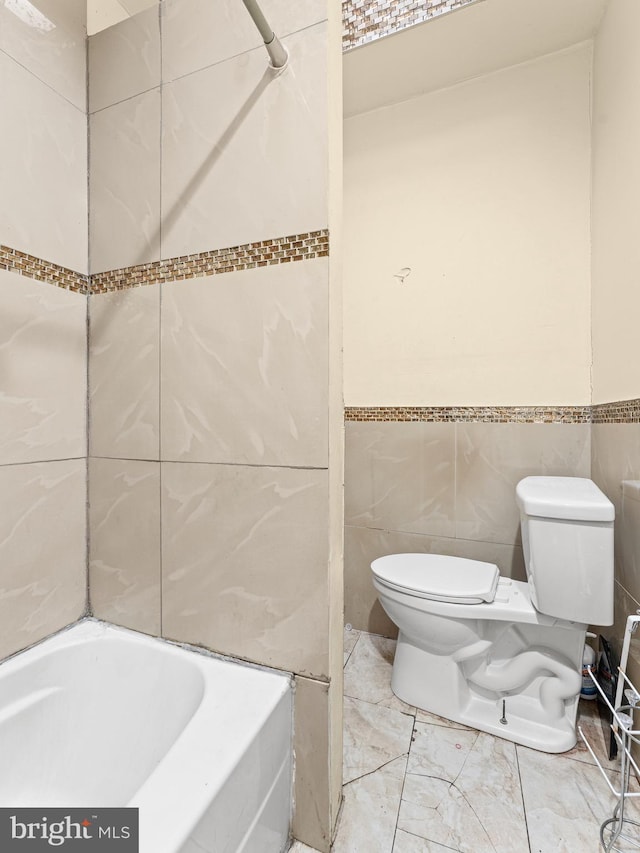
{"x": 502, "y": 655}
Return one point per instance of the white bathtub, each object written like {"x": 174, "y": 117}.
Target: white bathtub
{"x": 101, "y": 716}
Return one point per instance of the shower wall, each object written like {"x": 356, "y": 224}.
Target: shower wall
{"x": 43, "y": 319}
{"x": 215, "y": 440}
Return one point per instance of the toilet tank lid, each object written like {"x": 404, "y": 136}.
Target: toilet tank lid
{"x": 439, "y": 577}
{"x": 568, "y": 498}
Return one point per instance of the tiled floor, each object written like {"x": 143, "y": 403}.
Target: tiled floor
{"x": 415, "y": 783}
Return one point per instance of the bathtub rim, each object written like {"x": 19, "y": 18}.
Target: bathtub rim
{"x": 187, "y": 647}
{"x": 89, "y": 628}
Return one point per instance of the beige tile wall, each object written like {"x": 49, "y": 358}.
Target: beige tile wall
{"x": 124, "y": 60}
{"x": 615, "y": 458}
{"x": 42, "y": 550}
{"x": 235, "y": 150}
{"x": 124, "y": 363}
{"x": 124, "y": 214}
{"x": 446, "y": 489}
{"x": 244, "y": 367}
{"x": 50, "y": 45}
{"x": 42, "y": 370}
{"x": 224, "y": 30}
{"x": 124, "y": 555}
{"x": 209, "y": 396}
{"x": 244, "y": 562}
{"x": 43, "y": 361}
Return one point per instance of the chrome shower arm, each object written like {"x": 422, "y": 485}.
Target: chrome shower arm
{"x": 277, "y": 52}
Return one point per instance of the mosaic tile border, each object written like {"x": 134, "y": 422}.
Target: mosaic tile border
{"x": 472, "y": 414}
{"x": 367, "y": 20}
{"x": 620, "y": 412}
{"x": 28, "y": 265}
{"x": 280, "y": 250}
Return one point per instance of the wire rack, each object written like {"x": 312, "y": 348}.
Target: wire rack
{"x": 621, "y": 834}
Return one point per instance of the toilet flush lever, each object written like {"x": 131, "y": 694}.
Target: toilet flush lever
{"x": 503, "y": 719}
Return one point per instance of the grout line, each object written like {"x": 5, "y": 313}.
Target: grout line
{"x": 352, "y": 651}
{"x": 371, "y": 772}
{"x": 44, "y": 82}
{"x": 422, "y": 838}
{"x": 42, "y": 461}
{"x": 244, "y": 52}
{"x": 123, "y": 100}
{"x": 524, "y": 806}
{"x": 434, "y": 536}
{"x": 404, "y": 782}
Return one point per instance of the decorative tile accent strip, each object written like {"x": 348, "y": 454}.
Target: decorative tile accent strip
{"x": 32, "y": 267}
{"x": 622, "y": 412}
{"x": 473, "y": 414}
{"x": 368, "y": 20}
{"x": 280, "y": 250}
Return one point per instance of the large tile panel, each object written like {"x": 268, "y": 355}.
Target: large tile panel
{"x": 615, "y": 456}
{"x": 369, "y": 815}
{"x": 42, "y": 550}
{"x": 244, "y": 151}
{"x": 124, "y": 536}
{"x": 364, "y": 754}
{"x": 463, "y": 790}
{"x": 124, "y": 381}
{"x": 49, "y": 40}
{"x": 492, "y": 458}
{"x": 224, "y": 29}
{"x": 43, "y": 371}
{"x": 124, "y": 60}
{"x": 244, "y": 562}
{"x": 570, "y": 822}
{"x": 629, "y": 535}
{"x": 311, "y": 748}
{"x": 125, "y": 183}
{"x": 43, "y": 151}
{"x": 244, "y": 375}
{"x": 401, "y": 476}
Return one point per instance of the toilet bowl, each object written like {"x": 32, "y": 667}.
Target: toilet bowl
{"x": 502, "y": 655}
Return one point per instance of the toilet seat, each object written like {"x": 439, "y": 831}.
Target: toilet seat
{"x": 438, "y": 577}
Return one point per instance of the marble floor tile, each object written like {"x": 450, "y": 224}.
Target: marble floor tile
{"x": 463, "y": 790}
{"x": 404, "y": 842}
{"x": 363, "y": 753}
{"x": 367, "y": 675}
{"x": 299, "y": 847}
{"x": 435, "y": 720}
{"x": 566, "y": 802}
{"x": 458, "y": 789}
{"x": 437, "y": 810}
{"x": 350, "y": 639}
{"x": 591, "y": 724}
{"x": 367, "y": 822}
{"x": 439, "y": 751}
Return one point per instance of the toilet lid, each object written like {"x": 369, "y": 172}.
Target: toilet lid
{"x": 436, "y": 576}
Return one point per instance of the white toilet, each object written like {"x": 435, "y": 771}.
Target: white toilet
{"x": 498, "y": 654}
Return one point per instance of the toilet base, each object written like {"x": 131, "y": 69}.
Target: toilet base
{"x": 458, "y": 691}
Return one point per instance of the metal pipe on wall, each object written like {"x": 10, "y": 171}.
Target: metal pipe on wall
{"x": 277, "y": 52}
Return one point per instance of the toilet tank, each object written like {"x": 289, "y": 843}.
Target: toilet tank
{"x": 567, "y": 538}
